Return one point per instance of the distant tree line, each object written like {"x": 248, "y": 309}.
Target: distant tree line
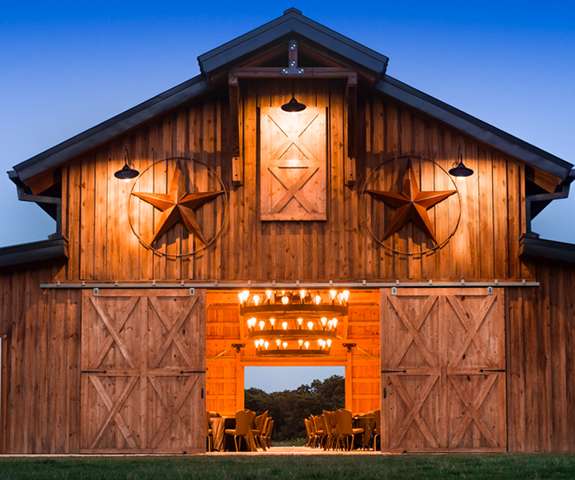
{"x": 290, "y": 407}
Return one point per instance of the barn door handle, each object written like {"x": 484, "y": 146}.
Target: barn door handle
{"x": 384, "y": 393}
{"x": 95, "y": 370}
{"x": 392, "y": 370}
{"x": 202, "y": 393}
{"x": 491, "y": 370}
{"x": 191, "y": 371}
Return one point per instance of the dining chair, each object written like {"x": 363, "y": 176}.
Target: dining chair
{"x": 377, "y": 429}
{"x": 259, "y": 428}
{"x": 243, "y": 429}
{"x": 267, "y": 437}
{"x": 308, "y": 432}
{"x": 319, "y": 430}
{"x": 210, "y": 435}
{"x": 329, "y": 427}
{"x": 344, "y": 429}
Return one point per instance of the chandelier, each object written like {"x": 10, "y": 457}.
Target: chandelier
{"x": 293, "y": 323}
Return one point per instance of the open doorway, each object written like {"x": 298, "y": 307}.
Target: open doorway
{"x": 292, "y": 394}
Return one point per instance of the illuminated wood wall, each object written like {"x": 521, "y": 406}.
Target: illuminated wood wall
{"x": 102, "y": 247}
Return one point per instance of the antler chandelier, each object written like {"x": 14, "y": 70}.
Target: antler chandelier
{"x": 293, "y": 323}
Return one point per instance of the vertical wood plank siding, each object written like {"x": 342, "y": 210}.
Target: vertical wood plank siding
{"x": 102, "y": 247}
{"x": 541, "y": 363}
{"x": 42, "y": 388}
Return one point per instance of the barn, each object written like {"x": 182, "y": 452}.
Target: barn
{"x": 293, "y": 204}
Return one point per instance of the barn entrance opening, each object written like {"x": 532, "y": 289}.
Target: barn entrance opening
{"x": 301, "y": 330}
{"x": 292, "y": 396}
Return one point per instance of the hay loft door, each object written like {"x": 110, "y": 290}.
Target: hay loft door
{"x": 443, "y": 370}
{"x": 143, "y": 374}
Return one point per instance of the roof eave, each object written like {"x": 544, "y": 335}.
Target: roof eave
{"x": 549, "y": 250}
{"x": 34, "y": 252}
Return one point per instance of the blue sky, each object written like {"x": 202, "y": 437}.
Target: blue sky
{"x": 66, "y": 66}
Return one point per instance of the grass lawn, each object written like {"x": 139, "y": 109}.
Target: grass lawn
{"x": 303, "y": 467}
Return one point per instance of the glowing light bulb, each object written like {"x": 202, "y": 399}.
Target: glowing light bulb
{"x": 332, "y": 294}
{"x": 243, "y": 296}
{"x": 284, "y": 325}
{"x": 256, "y": 343}
{"x": 323, "y": 321}
{"x": 256, "y": 299}
{"x": 269, "y": 295}
{"x": 266, "y": 344}
{"x": 284, "y": 345}
{"x": 302, "y": 294}
{"x": 317, "y": 299}
{"x": 306, "y": 345}
{"x": 300, "y": 343}
{"x": 310, "y": 325}
{"x": 285, "y": 300}
{"x": 328, "y": 342}
{"x": 299, "y": 322}
{"x": 345, "y": 294}
{"x": 334, "y": 321}
{"x": 278, "y": 342}
{"x": 262, "y": 324}
{"x": 272, "y": 322}
{"x": 252, "y": 322}
{"x": 340, "y": 297}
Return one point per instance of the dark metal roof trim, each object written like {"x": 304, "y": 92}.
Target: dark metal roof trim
{"x": 540, "y": 248}
{"x": 34, "y": 252}
{"x": 292, "y": 21}
{"x": 107, "y": 130}
{"x": 474, "y": 127}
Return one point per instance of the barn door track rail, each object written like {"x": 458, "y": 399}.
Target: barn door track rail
{"x": 233, "y": 285}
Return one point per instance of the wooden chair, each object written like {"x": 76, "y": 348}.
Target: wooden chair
{"x": 210, "y": 436}
{"x": 259, "y": 430}
{"x": 344, "y": 429}
{"x": 329, "y": 428}
{"x": 243, "y": 429}
{"x": 377, "y": 429}
{"x": 266, "y": 439}
{"x": 309, "y": 433}
{"x": 318, "y": 426}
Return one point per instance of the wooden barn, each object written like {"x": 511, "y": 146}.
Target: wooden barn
{"x": 292, "y": 204}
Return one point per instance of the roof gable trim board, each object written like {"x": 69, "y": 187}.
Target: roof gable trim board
{"x": 474, "y": 127}
{"x": 292, "y": 22}
{"x": 111, "y": 128}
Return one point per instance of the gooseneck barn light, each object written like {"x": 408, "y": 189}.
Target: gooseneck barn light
{"x": 460, "y": 170}
{"x": 126, "y": 172}
{"x": 293, "y": 105}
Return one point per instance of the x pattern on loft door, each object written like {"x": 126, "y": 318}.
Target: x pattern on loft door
{"x": 293, "y": 164}
{"x": 443, "y": 371}
{"x": 142, "y": 372}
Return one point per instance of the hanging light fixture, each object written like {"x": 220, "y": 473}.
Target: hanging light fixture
{"x": 293, "y": 323}
{"x": 126, "y": 172}
{"x": 460, "y": 170}
{"x": 293, "y": 105}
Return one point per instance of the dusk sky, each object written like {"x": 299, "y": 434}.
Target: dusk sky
{"x": 67, "y": 66}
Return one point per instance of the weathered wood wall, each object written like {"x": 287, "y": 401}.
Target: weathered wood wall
{"x": 541, "y": 363}
{"x": 42, "y": 385}
{"x": 102, "y": 247}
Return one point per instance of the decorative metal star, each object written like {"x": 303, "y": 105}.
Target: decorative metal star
{"x": 178, "y": 205}
{"x": 411, "y": 204}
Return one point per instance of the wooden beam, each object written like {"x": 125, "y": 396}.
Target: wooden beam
{"x": 352, "y": 130}
{"x": 237, "y": 161}
{"x": 41, "y": 182}
{"x": 308, "y": 73}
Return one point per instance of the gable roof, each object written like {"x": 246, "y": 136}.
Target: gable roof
{"x": 292, "y": 21}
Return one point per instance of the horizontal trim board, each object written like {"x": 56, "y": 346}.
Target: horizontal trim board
{"x": 285, "y": 285}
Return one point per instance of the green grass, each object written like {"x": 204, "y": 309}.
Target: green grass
{"x": 304, "y": 467}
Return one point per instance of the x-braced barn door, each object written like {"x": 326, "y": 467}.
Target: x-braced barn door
{"x": 143, "y": 373}
{"x": 443, "y": 370}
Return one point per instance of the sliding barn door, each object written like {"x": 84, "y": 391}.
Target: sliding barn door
{"x": 143, "y": 374}
{"x": 443, "y": 370}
